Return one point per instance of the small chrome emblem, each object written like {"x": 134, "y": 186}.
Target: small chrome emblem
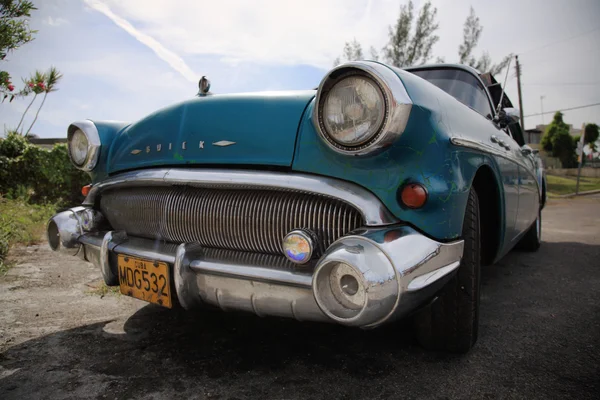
{"x": 223, "y": 143}
{"x": 201, "y": 143}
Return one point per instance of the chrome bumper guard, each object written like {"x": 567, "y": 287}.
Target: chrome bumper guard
{"x": 365, "y": 279}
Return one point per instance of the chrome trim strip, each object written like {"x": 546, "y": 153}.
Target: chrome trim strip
{"x": 398, "y": 106}
{"x": 473, "y": 144}
{"x": 94, "y": 144}
{"x": 253, "y": 273}
{"x": 373, "y": 211}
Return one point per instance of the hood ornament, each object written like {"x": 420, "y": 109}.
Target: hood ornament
{"x": 204, "y": 86}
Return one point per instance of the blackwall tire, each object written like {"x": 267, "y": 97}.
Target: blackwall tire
{"x": 451, "y": 322}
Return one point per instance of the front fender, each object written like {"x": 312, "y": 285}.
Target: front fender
{"x": 422, "y": 154}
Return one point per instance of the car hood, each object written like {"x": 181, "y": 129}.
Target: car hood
{"x": 250, "y": 129}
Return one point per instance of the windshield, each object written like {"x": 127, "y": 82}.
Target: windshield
{"x": 461, "y": 85}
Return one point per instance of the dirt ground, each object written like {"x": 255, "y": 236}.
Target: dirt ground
{"x": 61, "y": 337}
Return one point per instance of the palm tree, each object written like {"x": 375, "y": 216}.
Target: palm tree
{"x": 32, "y": 87}
{"x": 52, "y": 78}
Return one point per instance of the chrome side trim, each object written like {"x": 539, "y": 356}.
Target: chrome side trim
{"x": 398, "y": 106}
{"x": 475, "y": 145}
{"x": 372, "y": 209}
{"x": 90, "y": 130}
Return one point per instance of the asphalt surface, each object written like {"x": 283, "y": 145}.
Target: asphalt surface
{"x": 539, "y": 337}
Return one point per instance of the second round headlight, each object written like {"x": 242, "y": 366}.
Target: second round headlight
{"x": 78, "y": 147}
{"x": 353, "y": 111}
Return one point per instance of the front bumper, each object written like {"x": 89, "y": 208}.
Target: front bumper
{"x": 392, "y": 270}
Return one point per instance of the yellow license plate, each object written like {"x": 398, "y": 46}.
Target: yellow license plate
{"x": 145, "y": 280}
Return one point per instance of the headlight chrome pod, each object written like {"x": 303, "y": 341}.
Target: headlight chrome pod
{"x": 84, "y": 144}
{"x": 361, "y": 107}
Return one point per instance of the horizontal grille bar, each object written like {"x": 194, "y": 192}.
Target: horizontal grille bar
{"x": 248, "y": 220}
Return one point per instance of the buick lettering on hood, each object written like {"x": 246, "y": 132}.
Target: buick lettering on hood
{"x": 375, "y": 197}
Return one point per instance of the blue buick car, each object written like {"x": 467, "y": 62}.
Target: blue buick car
{"x": 378, "y": 196}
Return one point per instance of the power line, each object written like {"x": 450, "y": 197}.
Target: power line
{"x": 564, "y": 109}
{"x": 559, "y": 41}
{"x": 563, "y": 84}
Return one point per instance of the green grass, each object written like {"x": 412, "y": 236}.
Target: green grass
{"x": 103, "y": 290}
{"x": 559, "y": 185}
{"x": 21, "y": 223}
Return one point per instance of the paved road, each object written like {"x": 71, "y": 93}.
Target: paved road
{"x": 539, "y": 337}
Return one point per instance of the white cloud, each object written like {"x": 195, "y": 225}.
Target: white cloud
{"x": 265, "y": 31}
{"x": 161, "y": 51}
{"x": 55, "y": 21}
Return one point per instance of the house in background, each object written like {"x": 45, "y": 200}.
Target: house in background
{"x": 46, "y": 143}
{"x": 533, "y": 136}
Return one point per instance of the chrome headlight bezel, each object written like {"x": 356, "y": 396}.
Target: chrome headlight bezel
{"x": 397, "y": 106}
{"x": 93, "y": 144}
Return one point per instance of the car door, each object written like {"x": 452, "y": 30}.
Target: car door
{"x": 529, "y": 199}
{"x": 505, "y": 156}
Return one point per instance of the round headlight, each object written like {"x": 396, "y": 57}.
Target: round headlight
{"x": 78, "y": 147}
{"x": 353, "y": 111}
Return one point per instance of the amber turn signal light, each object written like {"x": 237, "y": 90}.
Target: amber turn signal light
{"x": 413, "y": 195}
{"x": 85, "y": 190}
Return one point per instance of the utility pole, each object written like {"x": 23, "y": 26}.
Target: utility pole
{"x": 542, "y": 103}
{"x": 581, "y": 154}
{"x": 518, "y": 67}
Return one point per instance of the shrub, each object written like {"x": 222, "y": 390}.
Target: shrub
{"x": 40, "y": 175}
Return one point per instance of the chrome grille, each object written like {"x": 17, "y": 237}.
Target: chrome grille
{"x": 248, "y": 220}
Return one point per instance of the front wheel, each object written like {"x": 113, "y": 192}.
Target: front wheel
{"x": 451, "y": 322}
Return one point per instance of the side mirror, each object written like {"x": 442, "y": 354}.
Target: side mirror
{"x": 526, "y": 150}
{"x": 513, "y": 114}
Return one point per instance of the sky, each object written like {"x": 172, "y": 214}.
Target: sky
{"x": 122, "y": 60}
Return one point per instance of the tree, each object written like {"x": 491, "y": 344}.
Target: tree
{"x": 407, "y": 47}
{"x": 471, "y": 33}
{"x": 591, "y": 133}
{"x": 52, "y": 78}
{"x": 14, "y": 32}
{"x": 352, "y": 51}
{"x": 559, "y": 142}
{"x": 35, "y": 84}
{"x": 555, "y": 126}
{"x": 563, "y": 147}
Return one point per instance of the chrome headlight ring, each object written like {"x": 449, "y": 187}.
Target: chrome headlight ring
{"x": 93, "y": 144}
{"x": 397, "y": 106}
